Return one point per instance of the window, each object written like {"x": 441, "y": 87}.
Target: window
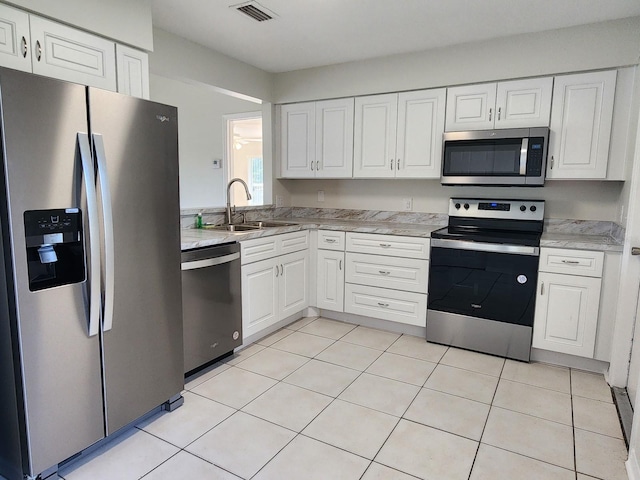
{"x": 244, "y": 152}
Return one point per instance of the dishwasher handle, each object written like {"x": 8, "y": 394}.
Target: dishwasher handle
{"x": 209, "y": 262}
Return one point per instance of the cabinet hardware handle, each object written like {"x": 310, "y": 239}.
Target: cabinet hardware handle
{"x": 384, "y": 272}
{"x": 499, "y": 112}
{"x": 317, "y": 165}
{"x": 24, "y": 47}
{"x": 490, "y": 113}
{"x": 391, "y": 164}
{"x": 340, "y": 265}
{"x": 542, "y": 288}
{"x": 330, "y": 240}
{"x": 383, "y": 304}
{"x": 312, "y": 166}
{"x": 281, "y": 270}
{"x": 38, "y": 50}
{"x": 385, "y": 245}
{"x": 551, "y": 162}
{"x": 277, "y": 272}
{"x": 571, "y": 262}
{"x": 635, "y": 250}
{"x": 398, "y": 165}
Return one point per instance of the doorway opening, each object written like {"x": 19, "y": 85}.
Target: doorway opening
{"x": 244, "y": 156}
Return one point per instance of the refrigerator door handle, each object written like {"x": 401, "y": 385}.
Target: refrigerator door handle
{"x": 107, "y": 218}
{"x": 94, "y": 233}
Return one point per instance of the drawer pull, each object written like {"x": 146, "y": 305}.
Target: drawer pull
{"x": 385, "y": 245}
{"x": 380, "y": 304}
{"x": 384, "y": 272}
{"x": 571, "y": 262}
{"x": 542, "y": 288}
{"x": 329, "y": 240}
{"x": 340, "y": 265}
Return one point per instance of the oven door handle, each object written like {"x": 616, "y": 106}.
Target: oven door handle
{"x": 485, "y": 247}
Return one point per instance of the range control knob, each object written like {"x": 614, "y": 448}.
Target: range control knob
{"x": 466, "y": 206}
{"x": 522, "y": 208}
{"x": 457, "y": 205}
{"x": 533, "y": 208}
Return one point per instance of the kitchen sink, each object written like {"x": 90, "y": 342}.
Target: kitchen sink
{"x": 248, "y": 226}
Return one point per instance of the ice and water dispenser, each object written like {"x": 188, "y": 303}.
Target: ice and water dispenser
{"x": 55, "y": 249}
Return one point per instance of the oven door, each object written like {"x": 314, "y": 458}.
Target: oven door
{"x": 482, "y": 296}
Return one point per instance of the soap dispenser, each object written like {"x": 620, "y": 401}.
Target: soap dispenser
{"x": 199, "y": 219}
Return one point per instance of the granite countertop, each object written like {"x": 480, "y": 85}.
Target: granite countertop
{"x": 196, "y": 238}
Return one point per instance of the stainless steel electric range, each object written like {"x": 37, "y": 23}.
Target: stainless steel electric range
{"x": 483, "y": 275}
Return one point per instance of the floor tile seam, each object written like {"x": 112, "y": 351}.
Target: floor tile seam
{"x": 535, "y": 416}
{"x": 412, "y": 356}
{"x": 378, "y": 463}
{"x": 362, "y": 345}
{"x": 341, "y": 448}
{"x": 595, "y": 399}
{"x": 159, "y": 465}
{"x": 573, "y": 428}
{"x": 338, "y": 365}
{"x": 211, "y": 463}
{"x": 454, "y": 395}
{"x": 520, "y": 382}
{"x": 307, "y": 360}
{"x": 599, "y": 433}
{"x": 469, "y": 370}
{"x": 369, "y": 407}
{"x": 439, "y": 429}
{"x": 419, "y": 385}
{"x": 314, "y": 356}
{"x": 528, "y": 456}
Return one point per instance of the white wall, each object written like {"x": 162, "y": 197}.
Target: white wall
{"x": 201, "y": 137}
{"x": 602, "y": 45}
{"x": 127, "y": 21}
{"x": 570, "y": 199}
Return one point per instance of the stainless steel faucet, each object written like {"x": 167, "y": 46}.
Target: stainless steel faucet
{"x": 246, "y": 189}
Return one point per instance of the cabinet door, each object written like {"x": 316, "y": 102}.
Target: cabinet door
{"x": 259, "y": 296}
{"x": 133, "y": 71}
{"x": 14, "y": 39}
{"x": 566, "y": 317}
{"x": 471, "y": 107}
{"x": 374, "y": 145}
{"x": 581, "y": 117}
{"x": 524, "y": 103}
{"x": 298, "y": 133}
{"x": 331, "y": 280}
{"x": 334, "y": 138}
{"x": 293, "y": 283}
{"x": 63, "y": 52}
{"x": 420, "y": 129}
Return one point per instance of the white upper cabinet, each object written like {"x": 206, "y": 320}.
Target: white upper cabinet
{"x": 374, "y": 149}
{"x": 334, "y": 138}
{"x": 581, "y": 119}
{"x": 133, "y": 71}
{"x": 513, "y": 104}
{"x": 14, "y": 39}
{"x": 399, "y": 135}
{"x": 420, "y": 129}
{"x": 297, "y": 140}
{"x": 317, "y": 139}
{"x": 69, "y": 54}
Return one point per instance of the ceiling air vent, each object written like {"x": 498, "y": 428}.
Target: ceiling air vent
{"x": 255, "y": 11}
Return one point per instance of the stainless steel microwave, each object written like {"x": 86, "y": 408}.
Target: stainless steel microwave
{"x": 509, "y": 157}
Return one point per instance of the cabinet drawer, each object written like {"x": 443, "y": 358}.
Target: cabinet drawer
{"x": 293, "y": 242}
{"x": 330, "y": 240}
{"x": 574, "y": 262}
{"x": 391, "y": 245}
{"x": 387, "y": 272}
{"x": 267, "y": 247}
{"x": 393, "y": 305}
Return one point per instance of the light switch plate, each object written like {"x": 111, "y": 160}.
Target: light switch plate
{"x": 407, "y": 203}
{"x": 321, "y": 195}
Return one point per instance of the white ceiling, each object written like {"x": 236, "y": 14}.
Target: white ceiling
{"x": 310, "y": 33}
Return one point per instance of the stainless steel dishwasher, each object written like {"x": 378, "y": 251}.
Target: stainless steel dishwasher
{"x": 212, "y": 304}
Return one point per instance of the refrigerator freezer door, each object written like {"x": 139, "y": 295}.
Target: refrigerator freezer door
{"x": 143, "y": 359}
{"x": 62, "y": 389}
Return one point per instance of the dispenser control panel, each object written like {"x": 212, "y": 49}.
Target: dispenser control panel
{"x": 52, "y": 226}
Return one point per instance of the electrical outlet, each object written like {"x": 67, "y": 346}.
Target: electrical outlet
{"x": 321, "y": 195}
{"x": 279, "y": 201}
{"x": 407, "y": 203}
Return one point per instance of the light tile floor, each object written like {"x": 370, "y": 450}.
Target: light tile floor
{"x": 327, "y": 400}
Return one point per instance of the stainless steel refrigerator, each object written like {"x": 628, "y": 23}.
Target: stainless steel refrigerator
{"x": 90, "y": 297}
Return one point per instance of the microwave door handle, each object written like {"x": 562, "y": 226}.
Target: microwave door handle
{"x": 523, "y": 156}
{"x": 94, "y": 233}
{"x": 107, "y": 218}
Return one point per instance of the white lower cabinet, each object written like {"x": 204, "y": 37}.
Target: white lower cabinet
{"x": 276, "y": 287}
{"x": 568, "y": 300}
{"x": 386, "y": 277}
{"x": 330, "y": 280}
